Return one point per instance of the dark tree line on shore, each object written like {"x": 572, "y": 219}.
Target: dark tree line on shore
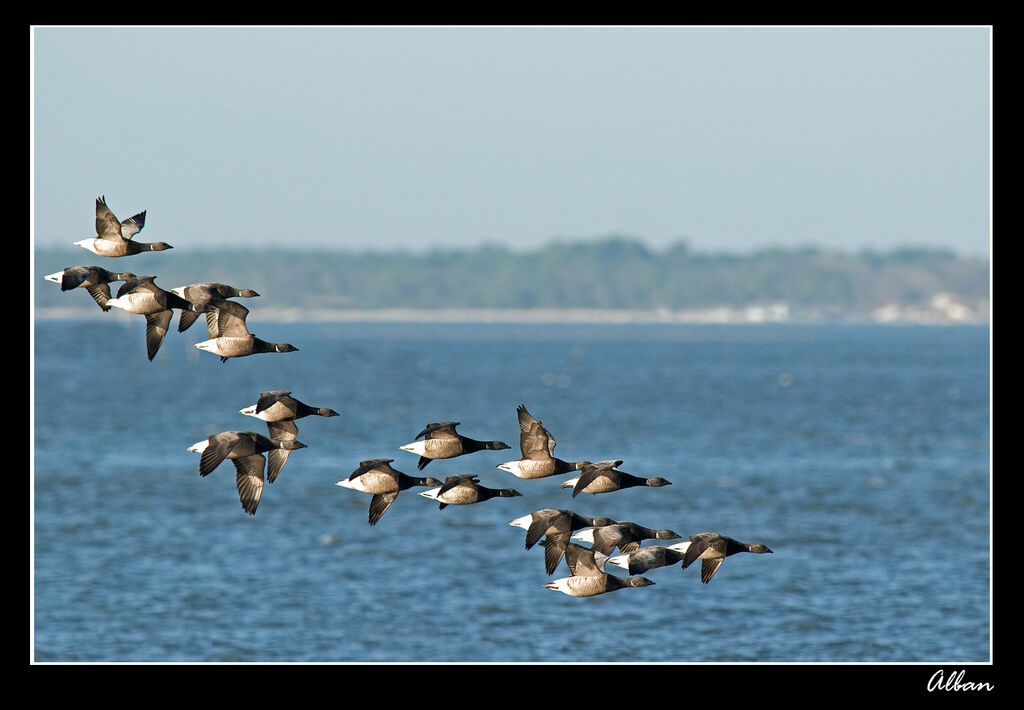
{"x": 612, "y": 272}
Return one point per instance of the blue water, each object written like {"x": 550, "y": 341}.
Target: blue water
{"x": 859, "y": 454}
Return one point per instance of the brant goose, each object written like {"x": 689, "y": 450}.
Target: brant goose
{"x": 650, "y": 557}
{"x": 712, "y": 549}
{"x": 588, "y": 579}
{"x": 280, "y": 406}
{"x": 441, "y": 441}
{"x": 207, "y": 293}
{"x": 556, "y": 526}
{"x": 280, "y": 410}
{"x": 95, "y": 279}
{"x": 142, "y": 296}
{"x": 625, "y": 535}
{"x": 245, "y": 449}
{"x": 115, "y": 238}
{"x": 229, "y": 336}
{"x": 538, "y": 449}
{"x": 604, "y": 477}
{"x": 376, "y": 476}
{"x": 465, "y": 489}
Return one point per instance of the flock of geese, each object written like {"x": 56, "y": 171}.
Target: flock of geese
{"x": 558, "y": 531}
{"x": 225, "y": 319}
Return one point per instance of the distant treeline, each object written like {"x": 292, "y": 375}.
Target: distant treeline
{"x": 608, "y": 273}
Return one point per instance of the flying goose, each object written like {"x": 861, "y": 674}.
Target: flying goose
{"x": 465, "y": 489}
{"x": 651, "y": 557}
{"x": 95, "y": 279}
{"x": 114, "y": 238}
{"x": 711, "y": 549}
{"x": 538, "y": 451}
{"x": 441, "y": 441}
{"x": 142, "y": 296}
{"x": 279, "y": 406}
{"x": 245, "y": 449}
{"x": 207, "y": 293}
{"x": 605, "y": 477}
{"x": 377, "y": 477}
{"x": 587, "y": 578}
{"x": 229, "y": 336}
{"x": 280, "y": 410}
{"x": 625, "y": 535}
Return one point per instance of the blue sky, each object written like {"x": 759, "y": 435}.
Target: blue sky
{"x": 385, "y": 138}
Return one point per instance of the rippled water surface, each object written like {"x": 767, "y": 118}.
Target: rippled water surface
{"x": 860, "y": 455}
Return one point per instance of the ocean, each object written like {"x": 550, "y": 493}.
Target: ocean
{"x": 860, "y": 454}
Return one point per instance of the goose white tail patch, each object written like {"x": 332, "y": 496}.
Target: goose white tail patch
{"x": 356, "y": 485}
{"x": 416, "y": 447}
{"x": 513, "y": 467}
{"x": 250, "y": 411}
{"x": 432, "y": 493}
{"x": 680, "y": 546}
{"x": 560, "y": 585}
{"x": 523, "y": 522}
{"x": 585, "y": 535}
{"x": 619, "y": 561}
{"x": 571, "y": 483}
{"x": 57, "y": 277}
{"x": 200, "y": 446}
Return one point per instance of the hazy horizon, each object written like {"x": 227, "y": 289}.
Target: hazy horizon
{"x": 727, "y": 139}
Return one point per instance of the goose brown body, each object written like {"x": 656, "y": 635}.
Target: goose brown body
{"x": 384, "y": 483}
{"x": 245, "y": 449}
{"x": 280, "y": 410}
{"x": 587, "y": 579}
{"x": 208, "y": 293}
{"x": 626, "y": 535}
{"x": 712, "y": 549}
{"x": 142, "y": 296}
{"x": 229, "y": 336}
{"x": 465, "y": 489}
{"x": 442, "y": 441}
{"x": 537, "y": 447}
{"x": 113, "y": 238}
{"x": 605, "y": 477}
{"x": 94, "y": 279}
